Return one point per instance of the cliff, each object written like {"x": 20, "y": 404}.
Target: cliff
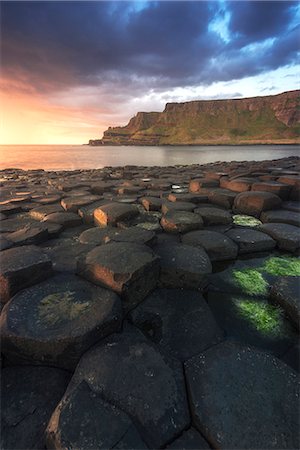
{"x": 257, "y": 120}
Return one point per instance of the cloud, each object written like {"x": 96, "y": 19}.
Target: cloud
{"x": 53, "y": 46}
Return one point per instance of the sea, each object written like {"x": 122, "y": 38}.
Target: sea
{"x": 73, "y": 157}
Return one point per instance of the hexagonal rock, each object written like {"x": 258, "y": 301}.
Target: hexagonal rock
{"x": 194, "y": 198}
{"x": 29, "y": 395}
{"x": 66, "y": 219}
{"x": 183, "y": 266}
{"x": 151, "y": 203}
{"x": 111, "y": 213}
{"x": 87, "y": 212}
{"x": 10, "y": 208}
{"x": 55, "y": 322}
{"x": 222, "y": 197}
{"x": 286, "y": 236}
{"x": 291, "y": 206}
{"x": 236, "y": 185}
{"x": 254, "y": 203}
{"x": 72, "y": 204}
{"x": 65, "y": 253}
{"x": 281, "y": 216}
{"x": 41, "y": 212}
{"x": 280, "y": 189}
{"x": 230, "y": 385}
{"x": 96, "y": 236}
{"x": 134, "y": 234}
{"x": 218, "y": 246}
{"x": 190, "y": 440}
{"x": 29, "y": 235}
{"x": 131, "y": 270}
{"x": 181, "y": 221}
{"x": 178, "y": 321}
{"x": 177, "y": 206}
{"x": 213, "y": 216}
{"x": 85, "y": 420}
{"x": 197, "y": 184}
{"x": 147, "y": 385}
{"x": 22, "y": 267}
{"x": 286, "y": 293}
{"x": 250, "y": 241}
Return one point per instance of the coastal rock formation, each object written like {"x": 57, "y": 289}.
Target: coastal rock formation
{"x": 171, "y": 304}
{"x": 258, "y": 120}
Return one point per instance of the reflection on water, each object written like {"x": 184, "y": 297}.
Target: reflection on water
{"x": 68, "y": 157}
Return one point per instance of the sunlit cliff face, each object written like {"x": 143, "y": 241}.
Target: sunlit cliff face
{"x": 71, "y": 69}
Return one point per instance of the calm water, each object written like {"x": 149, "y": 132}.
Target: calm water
{"x": 68, "y": 157}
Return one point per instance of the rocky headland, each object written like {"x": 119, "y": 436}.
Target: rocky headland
{"x": 258, "y": 120}
{"x": 151, "y": 307}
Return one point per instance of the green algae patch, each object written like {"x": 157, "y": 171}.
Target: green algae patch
{"x": 59, "y": 307}
{"x": 246, "y": 221}
{"x": 282, "y": 266}
{"x": 265, "y": 318}
{"x": 251, "y": 281}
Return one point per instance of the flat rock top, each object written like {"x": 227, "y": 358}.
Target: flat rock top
{"x": 121, "y": 257}
{"x": 178, "y": 321}
{"x": 64, "y": 306}
{"x": 236, "y": 391}
{"x": 147, "y": 385}
{"x": 17, "y": 258}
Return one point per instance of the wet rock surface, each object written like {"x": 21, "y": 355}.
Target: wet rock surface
{"x": 202, "y": 260}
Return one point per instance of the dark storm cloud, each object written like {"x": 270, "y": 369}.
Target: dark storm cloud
{"x": 155, "y": 45}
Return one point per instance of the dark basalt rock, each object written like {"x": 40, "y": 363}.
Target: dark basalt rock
{"x": 285, "y": 292}
{"x": 96, "y": 235}
{"x": 281, "y": 216}
{"x": 129, "y": 269}
{"x": 22, "y": 267}
{"x": 180, "y": 322}
{"x": 222, "y": 197}
{"x": 65, "y": 253}
{"x": 183, "y": 266}
{"x": 53, "y": 323}
{"x": 66, "y": 219}
{"x": 84, "y": 420}
{"x": 29, "y": 235}
{"x": 214, "y": 216}
{"x": 246, "y": 392}
{"x": 72, "y": 204}
{"x": 291, "y": 206}
{"x": 29, "y": 395}
{"x": 218, "y": 246}
{"x": 280, "y": 189}
{"x": 177, "y": 206}
{"x": 181, "y": 221}
{"x": 250, "y": 241}
{"x": 151, "y": 203}
{"x": 254, "y": 203}
{"x": 5, "y": 243}
{"x": 148, "y": 386}
{"x": 87, "y": 212}
{"x": 286, "y": 236}
{"x": 111, "y": 213}
{"x": 41, "y": 212}
{"x": 190, "y": 440}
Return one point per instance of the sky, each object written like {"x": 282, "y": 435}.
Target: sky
{"x": 71, "y": 69}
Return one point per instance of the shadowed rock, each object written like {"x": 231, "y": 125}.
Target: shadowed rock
{"x": 55, "y": 322}
{"x": 281, "y": 216}
{"x": 84, "y": 420}
{"x": 180, "y": 322}
{"x": 218, "y": 246}
{"x": 286, "y": 293}
{"x": 246, "y": 392}
{"x": 177, "y": 206}
{"x": 29, "y": 395}
{"x": 250, "y": 241}
{"x": 129, "y": 269}
{"x": 286, "y": 236}
{"x": 148, "y": 385}
{"x": 213, "y": 216}
{"x": 22, "y": 267}
{"x": 190, "y": 440}
{"x": 66, "y": 219}
{"x": 29, "y": 235}
{"x": 183, "y": 266}
{"x": 41, "y": 212}
{"x": 280, "y": 189}
{"x": 72, "y": 204}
